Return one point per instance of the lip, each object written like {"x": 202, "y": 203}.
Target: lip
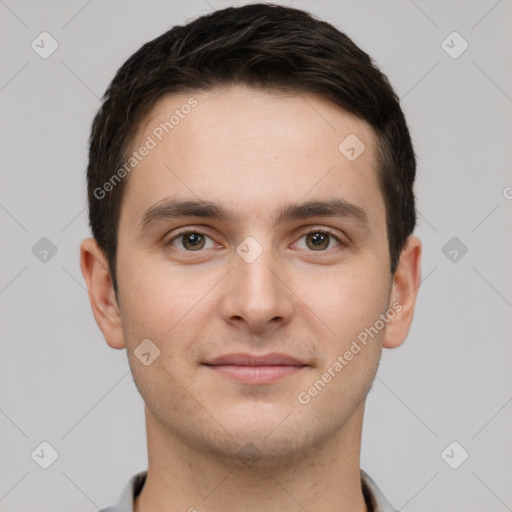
{"x": 239, "y": 359}
{"x": 256, "y": 369}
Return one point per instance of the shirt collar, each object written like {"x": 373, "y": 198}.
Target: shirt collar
{"x": 375, "y": 500}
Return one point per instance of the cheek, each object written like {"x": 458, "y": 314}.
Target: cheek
{"x": 162, "y": 303}
{"x": 146, "y": 299}
{"x": 347, "y": 300}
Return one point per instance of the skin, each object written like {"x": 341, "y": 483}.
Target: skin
{"x": 253, "y": 152}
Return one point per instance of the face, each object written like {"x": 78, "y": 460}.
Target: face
{"x": 250, "y": 271}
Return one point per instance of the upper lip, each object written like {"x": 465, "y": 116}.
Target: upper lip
{"x": 273, "y": 359}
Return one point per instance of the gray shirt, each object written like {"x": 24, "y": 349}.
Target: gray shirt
{"x": 375, "y": 500}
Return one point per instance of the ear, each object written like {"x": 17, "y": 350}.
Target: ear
{"x": 101, "y": 292}
{"x": 406, "y": 282}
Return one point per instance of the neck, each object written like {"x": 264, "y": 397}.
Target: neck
{"x": 184, "y": 478}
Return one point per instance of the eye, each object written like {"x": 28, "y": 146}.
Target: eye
{"x": 192, "y": 240}
{"x": 319, "y": 240}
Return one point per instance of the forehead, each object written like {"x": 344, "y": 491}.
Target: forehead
{"x": 252, "y": 148}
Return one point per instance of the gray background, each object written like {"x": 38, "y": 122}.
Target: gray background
{"x": 451, "y": 380}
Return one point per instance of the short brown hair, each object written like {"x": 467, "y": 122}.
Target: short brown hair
{"x": 265, "y": 47}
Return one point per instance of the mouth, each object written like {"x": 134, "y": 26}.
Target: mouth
{"x": 253, "y": 369}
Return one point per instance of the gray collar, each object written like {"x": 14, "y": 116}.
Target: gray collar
{"x": 375, "y": 500}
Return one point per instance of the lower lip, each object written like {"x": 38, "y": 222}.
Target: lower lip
{"x": 256, "y": 374}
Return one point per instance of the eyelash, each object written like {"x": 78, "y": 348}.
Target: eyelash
{"x": 311, "y": 231}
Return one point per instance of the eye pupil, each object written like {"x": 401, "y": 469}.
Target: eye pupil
{"x": 194, "y": 240}
{"x": 315, "y": 240}
{"x": 318, "y": 239}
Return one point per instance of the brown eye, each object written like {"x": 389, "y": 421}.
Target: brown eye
{"x": 190, "y": 241}
{"x": 193, "y": 241}
{"x": 319, "y": 240}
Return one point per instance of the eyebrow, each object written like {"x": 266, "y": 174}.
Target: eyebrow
{"x": 177, "y": 208}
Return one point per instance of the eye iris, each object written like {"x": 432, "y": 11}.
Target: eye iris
{"x": 318, "y": 240}
{"x": 195, "y": 240}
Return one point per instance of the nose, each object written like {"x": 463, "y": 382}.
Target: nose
{"x": 257, "y": 297}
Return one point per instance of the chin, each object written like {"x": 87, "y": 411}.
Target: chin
{"x": 263, "y": 443}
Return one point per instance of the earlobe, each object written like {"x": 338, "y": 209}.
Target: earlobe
{"x": 101, "y": 292}
{"x": 406, "y": 281}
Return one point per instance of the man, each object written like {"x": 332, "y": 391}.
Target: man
{"x": 251, "y": 200}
